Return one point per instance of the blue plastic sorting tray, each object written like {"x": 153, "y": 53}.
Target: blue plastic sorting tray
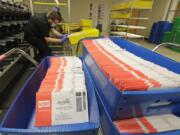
{"x": 121, "y": 104}
{"x": 20, "y": 117}
{"x": 109, "y": 128}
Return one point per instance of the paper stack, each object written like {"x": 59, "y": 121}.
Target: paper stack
{"x": 62, "y": 96}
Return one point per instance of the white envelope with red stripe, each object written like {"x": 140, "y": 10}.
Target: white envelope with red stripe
{"x": 62, "y": 97}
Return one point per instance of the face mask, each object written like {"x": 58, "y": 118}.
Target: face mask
{"x": 53, "y": 25}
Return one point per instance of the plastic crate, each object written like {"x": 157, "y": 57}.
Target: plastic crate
{"x": 164, "y": 26}
{"x": 158, "y": 30}
{"x": 176, "y": 23}
{"x": 168, "y": 37}
{"x": 177, "y": 41}
{"x": 85, "y": 28}
{"x": 153, "y": 34}
{"x": 133, "y": 4}
{"x": 69, "y": 27}
{"x": 177, "y": 37}
{"x": 115, "y": 15}
{"x": 86, "y": 23}
{"x": 109, "y": 128}
{"x": 142, "y": 4}
{"x": 75, "y": 37}
{"x": 172, "y": 37}
{"x": 120, "y": 6}
{"x": 119, "y": 103}
{"x": 20, "y": 116}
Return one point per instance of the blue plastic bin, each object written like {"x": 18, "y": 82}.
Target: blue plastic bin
{"x": 109, "y": 128}
{"x": 20, "y": 117}
{"x": 164, "y": 26}
{"x": 153, "y": 34}
{"x": 120, "y": 104}
{"x": 158, "y": 30}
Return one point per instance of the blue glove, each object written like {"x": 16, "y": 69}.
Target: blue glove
{"x": 65, "y": 35}
{"x": 56, "y": 9}
{"x": 64, "y": 38}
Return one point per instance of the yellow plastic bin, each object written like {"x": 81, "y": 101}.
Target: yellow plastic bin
{"x": 139, "y": 4}
{"x": 142, "y": 4}
{"x": 76, "y": 37}
{"x": 86, "y": 22}
{"x": 69, "y": 26}
{"x": 116, "y": 15}
{"x": 121, "y": 6}
{"x": 85, "y": 28}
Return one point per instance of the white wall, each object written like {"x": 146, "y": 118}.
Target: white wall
{"x": 79, "y": 9}
{"x": 173, "y": 6}
{"x": 106, "y": 20}
{"x": 159, "y": 12}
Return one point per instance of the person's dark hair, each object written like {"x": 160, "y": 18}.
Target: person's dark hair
{"x": 55, "y": 15}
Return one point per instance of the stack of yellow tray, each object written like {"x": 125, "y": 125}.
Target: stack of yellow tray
{"x": 142, "y": 4}
{"x": 85, "y": 28}
{"x": 120, "y": 6}
{"x": 115, "y": 15}
{"x": 69, "y": 26}
{"x": 86, "y": 24}
{"x": 138, "y": 4}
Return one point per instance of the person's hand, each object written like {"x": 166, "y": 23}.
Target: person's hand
{"x": 64, "y": 38}
{"x": 63, "y": 35}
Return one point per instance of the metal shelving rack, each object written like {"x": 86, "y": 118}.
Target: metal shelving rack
{"x": 127, "y": 15}
{"x": 56, "y": 3}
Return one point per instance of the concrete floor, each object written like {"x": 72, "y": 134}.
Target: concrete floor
{"x": 162, "y": 50}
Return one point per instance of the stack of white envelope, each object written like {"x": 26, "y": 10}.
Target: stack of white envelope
{"x": 68, "y": 97}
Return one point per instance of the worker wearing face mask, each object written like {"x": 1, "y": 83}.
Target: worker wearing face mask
{"x": 38, "y": 29}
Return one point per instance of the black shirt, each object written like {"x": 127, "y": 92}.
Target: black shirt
{"x": 38, "y": 26}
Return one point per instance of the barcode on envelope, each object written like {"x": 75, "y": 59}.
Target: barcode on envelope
{"x": 79, "y": 106}
{"x": 84, "y": 100}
